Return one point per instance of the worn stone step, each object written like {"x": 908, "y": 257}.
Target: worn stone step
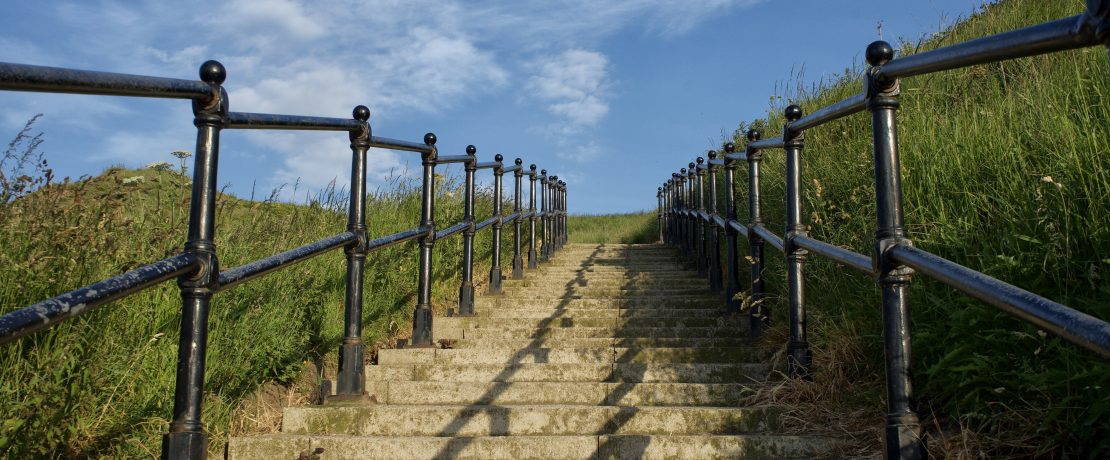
{"x": 567, "y": 321}
{"x": 619, "y": 372}
{"x": 566, "y": 393}
{"x": 526, "y": 420}
{"x": 639, "y": 312}
{"x": 607, "y": 302}
{"x": 583, "y": 447}
{"x": 617, "y": 332}
{"x": 622, "y": 283}
{"x": 571, "y": 355}
{"x": 598, "y": 342}
{"x": 606, "y": 291}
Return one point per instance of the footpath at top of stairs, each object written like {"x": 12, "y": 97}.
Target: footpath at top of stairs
{"x": 606, "y": 351}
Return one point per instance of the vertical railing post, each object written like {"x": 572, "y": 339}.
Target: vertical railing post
{"x": 562, "y": 214}
{"x": 732, "y": 262}
{"x": 533, "y": 262}
{"x": 553, "y": 202}
{"x": 466, "y": 289}
{"x": 186, "y": 438}
{"x": 692, "y": 218}
{"x": 668, "y": 201}
{"x": 714, "y": 229}
{"x": 702, "y": 228}
{"x": 518, "y": 258}
{"x": 659, "y": 213}
{"x": 680, "y": 226}
{"x": 545, "y": 220}
{"x": 903, "y": 430}
{"x": 760, "y": 317}
{"x": 422, "y": 316}
{"x": 351, "y": 379}
{"x": 797, "y": 349}
{"x": 495, "y": 263}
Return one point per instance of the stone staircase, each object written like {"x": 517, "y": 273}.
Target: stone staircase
{"x": 606, "y": 351}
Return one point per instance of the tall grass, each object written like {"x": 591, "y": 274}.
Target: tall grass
{"x": 102, "y": 384}
{"x": 1005, "y": 170}
{"x": 631, "y": 228}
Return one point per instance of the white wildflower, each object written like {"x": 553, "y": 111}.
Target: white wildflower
{"x": 133, "y": 180}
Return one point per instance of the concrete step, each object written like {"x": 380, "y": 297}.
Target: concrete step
{"x": 526, "y": 420}
{"x": 639, "y": 312}
{"x": 607, "y": 291}
{"x": 598, "y": 342}
{"x": 571, "y": 355}
{"x": 676, "y": 302}
{"x": 592, "y": 447}
{"x": 623, "y": 282}
{"x": 567, "y": 393}
{"x": 617, "y": 332}
{"x": 619, "y": 372}
{"x": 567, "y": 321}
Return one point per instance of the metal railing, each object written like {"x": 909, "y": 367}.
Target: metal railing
{"x": 686, "y": 221}
{"x": 197, "y": 269}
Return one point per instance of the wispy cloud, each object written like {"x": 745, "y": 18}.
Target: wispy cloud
{"x": 574, "y": 86}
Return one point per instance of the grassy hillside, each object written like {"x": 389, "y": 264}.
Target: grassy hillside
{"x": 1005, "y": 170}
{"x": 633, "y": 228}
{"x": 102, "y": 384}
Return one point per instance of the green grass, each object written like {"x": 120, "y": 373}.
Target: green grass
{"x": 632, "y": 228}
{"x": 102, "y": 384}
{"x": 1005, "y": 170}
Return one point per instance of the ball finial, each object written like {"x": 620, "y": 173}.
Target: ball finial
{"x": 879, "y": 53}
{"x": 754, "y": 135}
{"x": 701, "y": 160}
{"x": 532, "y": 167}
{"x": 793, "y": 112}
{"x": 471, "y": 149}
{"x": 683, "y": 170}
{"x": 361, "y": 113}
{"x": 691, "y": 166}
{"x": 430, "y": 139}
{"x": 213, "y": 72}
{"x": 543, "y": 171}
{"x": 729, "y": 147}
{"x": 498, "y": 158}
{"x": 712, "y": 154}
{"x": 518, "y": 162}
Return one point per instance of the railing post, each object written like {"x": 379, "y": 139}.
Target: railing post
{"x": 732, "y": 275}
{"x": 533, "y": 262}
{"x": 691, "y": 218}
{"x": 659, "y": 212}
{"x": 351, "y": 379}
{"x": 903, "y": 430}
{"x": 545, "y": 219}
{"x": 760, "y": 317}
{"x": 466, "y": 290}
{"x": 422, "y": 317}
{"x": 186, "y": 438}
{"x": 714, "y": 229}
{"x": 553, "y": 203}
{"x": 562, "y": 214}
{"x": 518, "y": 259}
{"x": 681, "y": 228}
{"x": 703, "y": 253}
{"x": 798, "y": 353}
{"x": 495, "y": 263}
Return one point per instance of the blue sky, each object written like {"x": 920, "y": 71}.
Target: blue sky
{"x": 611, "y": 96}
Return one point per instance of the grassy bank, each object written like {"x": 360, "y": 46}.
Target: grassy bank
{"x": 102, "y": 384}
{"x": 1005, "y": 170}
{"x": 632, "y": 228}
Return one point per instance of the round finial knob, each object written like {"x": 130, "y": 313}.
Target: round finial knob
{"x": 471, "y": 149}
{"x": 729, "y": 148}
{"x": 712, "y": 154}
{"x": 532, "y": 167}
{"x": 754, "y": 135}
{"x": 498, "y": 158}
{"x": 361, "y": 113}
{"x": 543, "y": 171}
{"x": 555, "y": 178}
{"x": 701, "y": 160}
{"x": 683, "y": 170}
{"x": 518, "y": 162}
{"x": 793, "y": 112}
{"x": 691, "y": 166}
{"x": 879, "y": 53}
{"x": 659, "y": 189}
{"x": 430, "y": 139}
{"x": 213, "y": 72}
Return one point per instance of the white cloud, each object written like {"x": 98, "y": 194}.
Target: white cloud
{"x": 582, "y": 153}
{"x": 574, "y": 85}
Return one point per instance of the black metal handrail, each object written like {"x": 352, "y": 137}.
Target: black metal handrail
{"x": 682, "y": 208}
{"x": 197, "y": 270}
